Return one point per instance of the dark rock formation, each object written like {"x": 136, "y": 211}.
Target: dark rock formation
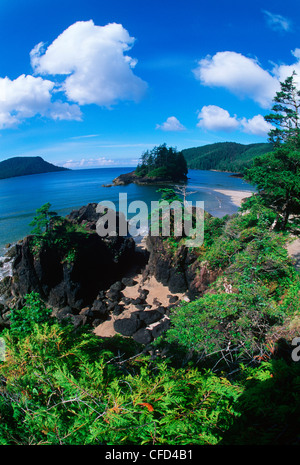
{"x": 98, "y": 264}
{"x": 129, "y": 178}
{"x": 143, "y": 326}
{"x": 181, "y": 271}
{"x": 88, "y": 289}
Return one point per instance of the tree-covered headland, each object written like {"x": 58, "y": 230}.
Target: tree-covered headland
{"x": 163, "y": 162}
{"x": 227, "y": 372}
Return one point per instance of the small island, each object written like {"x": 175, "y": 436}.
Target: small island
{"x": 22, "y": 166}
{"x": 160, "y": 165}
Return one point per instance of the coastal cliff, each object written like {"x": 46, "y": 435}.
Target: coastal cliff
{"x": 92, "y": 287}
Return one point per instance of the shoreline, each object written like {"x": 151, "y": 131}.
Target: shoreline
{"x": 236, "y": 197}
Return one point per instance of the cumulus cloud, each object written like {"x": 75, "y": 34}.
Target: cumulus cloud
{"x": 256, "y": 126}
{"x": 277, "y": 22}
{"x": 283, "y": 71}
{"x": 171, "y": 124}
{"x": 86, "y": 64}
{"x": 94, "y": 61}
{"x": 214, "y": 118}
{"x": 241, "y": 75}
{"x": 28, "y": 96}
{"x": 88, "y": 163}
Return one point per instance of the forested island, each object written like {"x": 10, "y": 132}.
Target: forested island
{"x": 162, "y": 164}
{"x": 23, "y": 166}
{"x": 216, "y": 363}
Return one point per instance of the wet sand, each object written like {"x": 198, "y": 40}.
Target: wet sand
{"x": 236, "y": 197}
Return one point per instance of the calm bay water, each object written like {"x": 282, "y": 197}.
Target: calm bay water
{"x": 69, "y": 190}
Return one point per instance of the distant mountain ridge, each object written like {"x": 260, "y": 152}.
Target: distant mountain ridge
{"x": 22, "y": 166}
{"x": 224, "y": 156}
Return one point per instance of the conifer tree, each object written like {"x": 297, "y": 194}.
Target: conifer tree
{"x": 277, "y": 173}
{"x": 285, "y": 114}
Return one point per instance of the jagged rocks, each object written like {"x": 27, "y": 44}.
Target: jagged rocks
{"x": 100, "y": 263}
{"x": 143, "y": 326}
{"x": 89, "y": 290}
{"x": 128, "y": 282}
{"x": 97, "y": 265}
{"x": 180, "y": 271}
{"x": 143, "y": 336}
{"x": 127, "y": 326}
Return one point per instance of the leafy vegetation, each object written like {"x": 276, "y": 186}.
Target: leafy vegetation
{"x": 285, "y": 114}
{"x": 163, "y": 162}
{"x": 277, "y": 174}
{"x": 63, "y": 388}
{"x": 257, "y": 285}
{"x": 52, "y": 230}
{"x": 222, "y": 374}
{"x": 224, "y": 156}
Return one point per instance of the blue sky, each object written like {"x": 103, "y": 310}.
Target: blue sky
{"x": 95, "y": 83}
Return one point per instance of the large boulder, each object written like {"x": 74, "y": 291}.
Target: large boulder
{"x": 98, "y": 263}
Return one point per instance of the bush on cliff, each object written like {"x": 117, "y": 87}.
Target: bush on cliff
{"x": 257, "y": 291}
{"x": 52, "y": 230}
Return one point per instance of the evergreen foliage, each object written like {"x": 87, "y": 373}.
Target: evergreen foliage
{"x": 223, "y": 372}
{"x": 224, "y": 156}
{"x": 285, "y": 114}
{"x": 55, "y": 231}
{"x": 277, "y": 174}
{"x": 65, "y": 388}
{"x": 163, "y": 162}
{"x": 258, "y": 290}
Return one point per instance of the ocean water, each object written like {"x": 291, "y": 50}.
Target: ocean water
{"x": 69, "y": 190}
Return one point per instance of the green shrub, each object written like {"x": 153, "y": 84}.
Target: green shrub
{"x": 34, "y": 311}
{"x": 66, "y": 388}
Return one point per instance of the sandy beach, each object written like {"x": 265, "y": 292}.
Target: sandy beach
{"x": 236, "y": 197}
{"x": 158, "y": 295}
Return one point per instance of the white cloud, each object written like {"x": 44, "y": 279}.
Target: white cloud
{"x": 171, "y": 124}
{"x": 256, "y": 126}
{"x": 89, "y": 163}
{"x": 277, "y": 22}
{"x": 241, "y": 75}
{"x": 28, "y": 96}
{"x": 283, "y": 71}
{"x": 94, "y": 61}
{"x": 86, "y": 64}
{"x": 214, "y": 118}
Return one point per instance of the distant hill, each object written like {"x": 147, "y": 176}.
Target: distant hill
{"x": 21, "y": 166}
{"x": 224, "y": 156}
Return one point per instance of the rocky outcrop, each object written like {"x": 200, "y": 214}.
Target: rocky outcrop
{"x": 89, "y": 289}
{"x": 180, "y": 271}
{"x": 129, "y": 178}
{"x": 70, "y": 286}
{"x": 98, "y": 263}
